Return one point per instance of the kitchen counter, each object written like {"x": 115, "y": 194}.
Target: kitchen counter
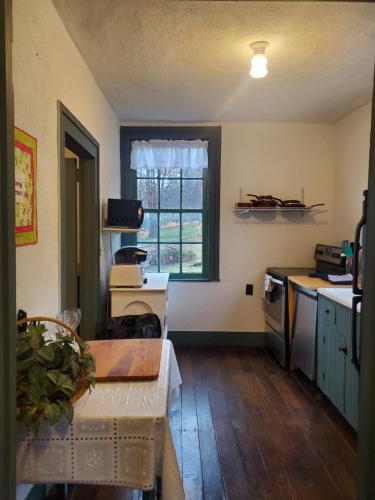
{"x": 314, "y": 283}
{"x": 156, "y": 282}
{"x": 343, "y": 296}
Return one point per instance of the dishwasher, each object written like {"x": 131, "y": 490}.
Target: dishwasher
{"x": 304, "y": 332}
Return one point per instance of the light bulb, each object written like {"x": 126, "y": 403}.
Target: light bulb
{"x": 258, "y": 66}
{"x": 259, "y": 61}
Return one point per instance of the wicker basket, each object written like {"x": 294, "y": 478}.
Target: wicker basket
{"x": 81, "y": 380}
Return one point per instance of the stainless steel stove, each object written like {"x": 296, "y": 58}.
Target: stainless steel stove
{"x": 277, "y": 318}
{"x": 328, "y": 260}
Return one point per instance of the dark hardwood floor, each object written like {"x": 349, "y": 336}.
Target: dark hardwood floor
{"x": 244, "y": 428}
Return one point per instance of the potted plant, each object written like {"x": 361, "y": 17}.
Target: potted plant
{"x": 51, "y": 372}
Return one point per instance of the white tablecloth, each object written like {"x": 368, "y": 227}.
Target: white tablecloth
{"x": 120, "y": 435}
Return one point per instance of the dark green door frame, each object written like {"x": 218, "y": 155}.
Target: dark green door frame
{"x": 366, "y": 433}
{"x": 7, "y": 261}
{"x": 74, "y": 136}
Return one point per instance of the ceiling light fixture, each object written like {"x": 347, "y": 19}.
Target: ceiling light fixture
{"x": 258, "y": 67}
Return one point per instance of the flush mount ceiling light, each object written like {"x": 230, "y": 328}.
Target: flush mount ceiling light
{"x": 258, "y": 67}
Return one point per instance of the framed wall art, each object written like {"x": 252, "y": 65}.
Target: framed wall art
{"x": 25, "y": 155}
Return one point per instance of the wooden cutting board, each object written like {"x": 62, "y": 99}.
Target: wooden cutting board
{"x": 126, "y": 360}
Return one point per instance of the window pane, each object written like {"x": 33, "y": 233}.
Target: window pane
{"x": 169, "y": 193}
{"x": 192, "y": 172}
{"x": 192, "y": 227}
{"x": 147, "y": 191}
{"x": 145, "y": 172}
{"x": 170, "y": 227}
{"x": 169, "y": 258}
{"x": 169, "y": 172}
{"x": 192, "y": 192}
{"x": 151, "y": 263}
{"x": 192, "y": 258}
{"x": 149, "y": 228}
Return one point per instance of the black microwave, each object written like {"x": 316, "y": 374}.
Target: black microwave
{"x": 124, "y": 213}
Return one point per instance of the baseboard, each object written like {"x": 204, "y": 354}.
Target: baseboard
{"x": 193, "y": 338}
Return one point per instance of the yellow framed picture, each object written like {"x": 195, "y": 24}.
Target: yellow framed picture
{"x": 25, "y": 156}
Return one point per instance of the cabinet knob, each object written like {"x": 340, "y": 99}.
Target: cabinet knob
{"x": 326, "y": 311}
{"x": 343, "y": 349}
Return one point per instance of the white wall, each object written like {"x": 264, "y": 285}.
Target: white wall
{"x": 265, "y": 158}
{"x": 48, "y": 68}
{"x": 352, "y": 145}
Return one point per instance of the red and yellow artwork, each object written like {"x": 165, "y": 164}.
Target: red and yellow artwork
{"x": 25, "y": 155}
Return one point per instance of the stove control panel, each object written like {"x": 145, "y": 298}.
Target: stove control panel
{"x": 328, "y": 253}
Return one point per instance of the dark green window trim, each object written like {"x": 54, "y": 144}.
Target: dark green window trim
{"x": 211, "y": 198}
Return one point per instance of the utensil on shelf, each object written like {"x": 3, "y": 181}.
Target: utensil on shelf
{"x": 265, "y": 201}
{"x": 244, "y": 205}
{"x": 298, "y": 204}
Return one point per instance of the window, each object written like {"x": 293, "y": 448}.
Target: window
{"x": 181, "y": 224}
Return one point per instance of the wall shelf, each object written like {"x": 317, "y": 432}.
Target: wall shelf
{"x": 275, "y": 210}
{"x": 114, "y": 229}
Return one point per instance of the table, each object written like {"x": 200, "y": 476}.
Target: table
{"x": 120, "y": 435}
{"x": 152, "y": 297}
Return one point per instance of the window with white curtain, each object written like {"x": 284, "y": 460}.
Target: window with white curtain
{"x": 172, "y": 178}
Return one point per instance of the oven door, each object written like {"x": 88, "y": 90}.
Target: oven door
{"x": 275, "y": 306}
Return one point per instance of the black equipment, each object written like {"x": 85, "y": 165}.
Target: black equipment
{"x": 125, "y": 213}
{"x": 130, "y": 255}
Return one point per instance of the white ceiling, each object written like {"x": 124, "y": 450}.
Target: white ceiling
{"x": 189, "y": 60}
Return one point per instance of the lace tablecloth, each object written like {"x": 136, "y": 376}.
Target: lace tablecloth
{"x": 120, "y": 435}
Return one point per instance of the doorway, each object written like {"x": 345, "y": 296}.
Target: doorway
{"x": 79, "y": 222}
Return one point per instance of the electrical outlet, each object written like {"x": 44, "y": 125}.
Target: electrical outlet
{"x": 249, "y": 289}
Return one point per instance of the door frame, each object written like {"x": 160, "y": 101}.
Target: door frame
{"x": 74, "y": 136}
{"x": 366, "y": 430}
{"x": 7, "y": 260}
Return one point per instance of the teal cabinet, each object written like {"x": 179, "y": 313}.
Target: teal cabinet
{"x": 336, "y": 374}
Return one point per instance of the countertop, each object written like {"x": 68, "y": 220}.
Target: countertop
{"x": 343, "y": 296}
{"x": 315, "y": 283}
{"x": 156, "y": 282}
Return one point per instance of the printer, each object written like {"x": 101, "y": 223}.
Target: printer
{"x": 127, "y": 270}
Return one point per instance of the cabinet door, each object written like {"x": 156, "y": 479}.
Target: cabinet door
{"x": 323, "y": 329}
{"x": 331, "y": 355}
{"x": 351, "y": 394}
{"x": 351, "y": 387}
{"x": 336, "y": 366}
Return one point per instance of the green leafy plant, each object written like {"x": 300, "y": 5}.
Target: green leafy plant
{"x": 49, "y": 372}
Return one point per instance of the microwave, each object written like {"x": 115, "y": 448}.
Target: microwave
{"x": 124, "y": 213}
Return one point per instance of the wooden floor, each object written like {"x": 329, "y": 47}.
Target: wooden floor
{"x": 246, "y": 429}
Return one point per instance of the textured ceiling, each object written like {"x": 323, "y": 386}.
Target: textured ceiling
{"x": 189, "y": 60}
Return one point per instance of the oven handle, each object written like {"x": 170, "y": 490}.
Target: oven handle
{"x": 267, "y": 294}
{"x": 277, "y": 282}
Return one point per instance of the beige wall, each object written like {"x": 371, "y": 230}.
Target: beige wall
{"x": 266, "y": 158}
{"x": 48, "y": 68}
{"x": 352, "y": 144}
{"x": 262, "y": 158}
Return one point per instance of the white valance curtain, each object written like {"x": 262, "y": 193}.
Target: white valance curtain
{"x": 157, "y": 154}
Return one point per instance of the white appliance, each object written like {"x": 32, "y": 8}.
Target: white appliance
{"x": 126, "y": 275}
